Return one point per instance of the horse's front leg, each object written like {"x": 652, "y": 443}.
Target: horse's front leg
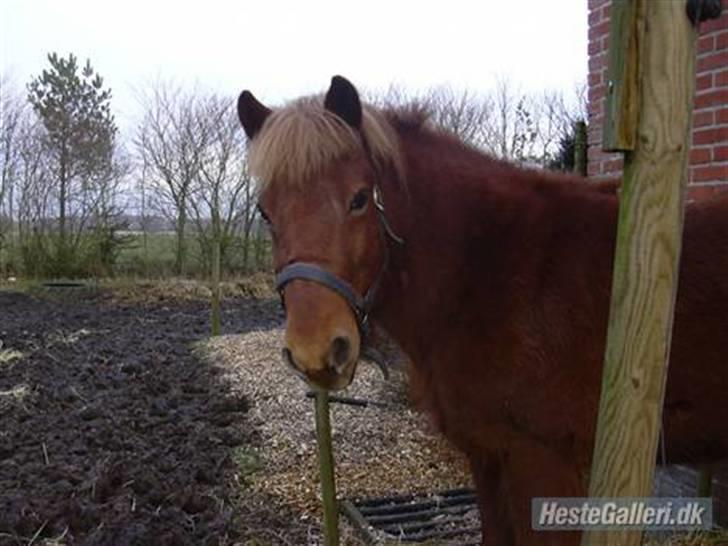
{"x": 495, "y": 516}
{"x": 534, "y": 470}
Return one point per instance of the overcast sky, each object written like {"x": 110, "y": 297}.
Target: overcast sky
{"x": 282, "y": 49}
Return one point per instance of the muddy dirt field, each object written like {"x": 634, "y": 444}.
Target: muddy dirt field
{"x": 115, "y": 431}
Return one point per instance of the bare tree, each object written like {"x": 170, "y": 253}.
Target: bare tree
{"x": 169, "y": 143}
{"x": 502, "y": 121}
{"x": 222, "y": 193}
{"x": 463, "y": 113}
{"x": 511, "y": 129}
{"x": 13, "y": 112}
{"x": 34, "y": 184}
{"x": 507, "y": 122}
{"x": 557, "y": 113}
{"x": 25, "y": 183}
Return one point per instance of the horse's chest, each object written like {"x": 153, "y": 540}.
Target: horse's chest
{"x": 488, "y": 409}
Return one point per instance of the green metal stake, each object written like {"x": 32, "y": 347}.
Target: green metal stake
{"x": 326, "y": 469}
{"x": 705, "y": 481}
{"x": 215, "y": 303}
{"x": 580, "y": 152}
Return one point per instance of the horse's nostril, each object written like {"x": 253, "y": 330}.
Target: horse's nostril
{"x": 288, "y": 359}
{"x": 340, "y": 351}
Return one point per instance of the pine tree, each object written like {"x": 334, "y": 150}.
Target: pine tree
{"x": 75, "y": 110}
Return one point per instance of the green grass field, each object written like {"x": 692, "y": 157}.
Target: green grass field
{"x": 156, "y": 257}
{"x": 137, "y": 256}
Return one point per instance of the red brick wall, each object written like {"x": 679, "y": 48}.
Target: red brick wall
{"x": 708, "y": 169}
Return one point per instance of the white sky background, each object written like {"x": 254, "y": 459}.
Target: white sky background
{"x": 283, "y": 49}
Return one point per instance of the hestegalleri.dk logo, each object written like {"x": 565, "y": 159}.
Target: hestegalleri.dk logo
{"x": 605, "y": 514}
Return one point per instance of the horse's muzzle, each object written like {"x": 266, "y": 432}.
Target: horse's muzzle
{"x": 336, "y": 371}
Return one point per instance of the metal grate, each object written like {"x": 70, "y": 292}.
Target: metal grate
{"x": 447, "y": 517}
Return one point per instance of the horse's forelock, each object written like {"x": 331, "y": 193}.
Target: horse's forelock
{"x": 300, "y": 141}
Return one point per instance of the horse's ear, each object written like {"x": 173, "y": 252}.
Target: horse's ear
{"x": 342, "y": 99}
{"x": 252, "y": 113}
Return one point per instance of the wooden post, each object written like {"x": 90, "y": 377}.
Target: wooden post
{"x": 580, "y": 151}
{"x": 646, "y": 261}
{"x": 326, "y": 469}
{"x": 215, "y": 303}
{"x": 620, "y": 108}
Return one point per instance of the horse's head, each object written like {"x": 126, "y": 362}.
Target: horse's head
{"x": 320, "y": 165}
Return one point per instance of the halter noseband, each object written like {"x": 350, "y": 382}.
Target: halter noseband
{"x": 360, "y": 305}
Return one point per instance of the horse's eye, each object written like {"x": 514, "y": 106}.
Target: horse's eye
{"x": 263, "y": 215}
{"x": 359, "y": 201}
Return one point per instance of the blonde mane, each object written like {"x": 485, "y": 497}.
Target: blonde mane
{"x": 300, "y": 140}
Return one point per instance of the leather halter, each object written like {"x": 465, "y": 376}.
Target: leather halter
{"x": 360, "y": 305}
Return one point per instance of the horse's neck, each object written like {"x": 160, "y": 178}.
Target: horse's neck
{"x": 470, "y": 223}
{"x": 449, "y": 236}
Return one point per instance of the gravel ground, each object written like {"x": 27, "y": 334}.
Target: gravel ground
{"x": 379, "y": 450}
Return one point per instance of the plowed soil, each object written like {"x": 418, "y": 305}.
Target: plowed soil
{"x": 114, "y": 430}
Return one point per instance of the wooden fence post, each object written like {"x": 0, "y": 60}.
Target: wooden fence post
{"x": 647, "y": 254}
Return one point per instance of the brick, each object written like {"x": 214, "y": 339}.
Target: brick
{"x": 721, "y": 41}
{"x": 721, "y": 78}
{"x": 698, "y": 193}
{"x": 721, "y": 116}
{"x": 704, "y": 81}
{"x": 605, "y": 178}
{"x": 715, "y": 24}
{"x": 597, "y": 62}
{"x": 605, "y": 43}
{"x": 703, "y": 118}
{"x": 711, "y": 61}
{"x": 594, "y": 133}
{"x": 594, "y": 47}
{"x": 595, "y": 78}
{"x": 613, "y": 166}
{"x": 699, "y": 156}
{"x": 595, "y": 109}
{"x": 721, "y": 188}
{"x": 597, "y": 92}
{"x": 595, "y": 17}
{"x": 605, "y": 11}
{"x": 706, "y": 44}
{"x": 720, "y": 153}
{"x": 608, "y": 161}
{"x": 595, "y": 152}
{"x": 597, "y": 3}
{"x": 599, "y": 30}
{"x": 710, "y": 173}
{"x": 710, "y": 136}
{"x": 717, "y": 97}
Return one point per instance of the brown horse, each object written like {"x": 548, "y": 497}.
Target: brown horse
{"x": 495, "y": 280}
